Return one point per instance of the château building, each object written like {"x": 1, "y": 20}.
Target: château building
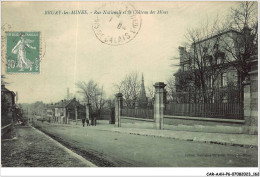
{"x": 207, "y": 71}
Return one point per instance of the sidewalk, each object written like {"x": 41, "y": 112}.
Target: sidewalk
{"x": 216, "y": 138}
{"x": 32, "y": 148}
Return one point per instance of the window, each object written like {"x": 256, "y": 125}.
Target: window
{"x": 234, "y": 77}
{"x": 220, "y": 56}
{"x": 219, "y": 61}
{"x": 209, "y": 82}
{"x": 216, "y": 46}
{"x": 224, "y": 79}
{"x": 185, "y": 67}
{"x": 210, "y": 59}
{"x": 224, "y": 99}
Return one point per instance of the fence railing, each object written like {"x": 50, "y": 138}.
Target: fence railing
{"x": 145, "y": 113}
{"x": 214, "y": 110}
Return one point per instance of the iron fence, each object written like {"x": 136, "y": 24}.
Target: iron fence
{"x": 214, "y": 110}
{"x": 145, "y": 113}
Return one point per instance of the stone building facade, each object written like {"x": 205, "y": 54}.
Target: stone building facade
{"x": 65, "y": 110}
{"x": 7, "y": 106}
{"x": 220, "y": 75}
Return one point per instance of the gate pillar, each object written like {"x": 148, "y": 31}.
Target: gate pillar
{"x": 117, "y": 109}
{"x": 76, "y": 114}
{"x": 159, "y": 104}
{"x": 251, "y": 98}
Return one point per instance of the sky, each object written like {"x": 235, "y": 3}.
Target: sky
{"x": 73, "y": 53}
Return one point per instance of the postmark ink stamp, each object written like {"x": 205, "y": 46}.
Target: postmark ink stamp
{"x": 5, "y": 27}
{"x": 23, "y": 52}
{"x": 116, "y": 24}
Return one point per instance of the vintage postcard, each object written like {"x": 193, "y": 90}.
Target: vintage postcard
{"x": 130, "y": 84}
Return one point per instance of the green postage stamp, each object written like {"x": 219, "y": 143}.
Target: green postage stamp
{"x": 23, "y": 52}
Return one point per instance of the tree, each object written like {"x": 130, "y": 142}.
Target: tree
{"x": 205, "y": 62}
{"x": 151, "y": 90}
{"x": 171, "y": 89}
{"x": 37, "y": 107}
{"x": 130, "y": 87}
{"x": 110, "y": 103}
{"x": 92, "y": 94}
{"x": 244, "y": 20}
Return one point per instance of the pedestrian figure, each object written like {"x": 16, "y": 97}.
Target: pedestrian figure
{"x": 87, "y": 122}
{"x": 95, "y": 121}
{"x": 83, "y": 122}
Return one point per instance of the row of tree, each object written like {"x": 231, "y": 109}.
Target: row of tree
{"x": 129, "y": 86}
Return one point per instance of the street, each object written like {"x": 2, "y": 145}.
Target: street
{"x": 106, "y": 148}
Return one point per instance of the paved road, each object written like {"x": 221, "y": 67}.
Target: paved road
{"x": 33, "y": 149}
{"x": 106, "y": 148}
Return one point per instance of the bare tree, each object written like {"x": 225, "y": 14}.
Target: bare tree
{"x": 118, "y": 86}
{"x": 171, "y": 89}
{"x": 87, "y": 90}
{"x": 151, "y": 90}
{"x": 244, "y": 20}
{"x": 130, "y": 87}
{"x": 92, "y": 94}
{"x": 205, "y": 62}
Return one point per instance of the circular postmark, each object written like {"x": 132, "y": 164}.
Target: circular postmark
{"x": 5, "y": 27}
{"x": 116, "y": 23}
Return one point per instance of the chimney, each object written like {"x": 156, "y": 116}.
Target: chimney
{"x": 16, "y": 97}
{"x": 247, "y": 34}
{"x": 182, "y": 51}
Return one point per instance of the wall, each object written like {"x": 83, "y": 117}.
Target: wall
{"x": 6, "y": 112}
{"x": 130, "y": 122}
{"x": 210, "y": 125}
{"x": 73, "y": 122}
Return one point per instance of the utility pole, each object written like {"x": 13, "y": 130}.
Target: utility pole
{"x": 28, "y": 113}
{"x": 76, "y": 114}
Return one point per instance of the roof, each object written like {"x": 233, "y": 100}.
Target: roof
{"x": 217, "y": 34}
{"x": 4, "y": 89}
{"x": 64, "y": 103}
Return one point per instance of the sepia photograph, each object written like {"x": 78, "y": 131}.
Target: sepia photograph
{"x": 130, "y": 84}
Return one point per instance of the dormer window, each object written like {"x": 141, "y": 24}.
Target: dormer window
{"x": 216, "y": 46}
{"x": 205, "y": 49}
